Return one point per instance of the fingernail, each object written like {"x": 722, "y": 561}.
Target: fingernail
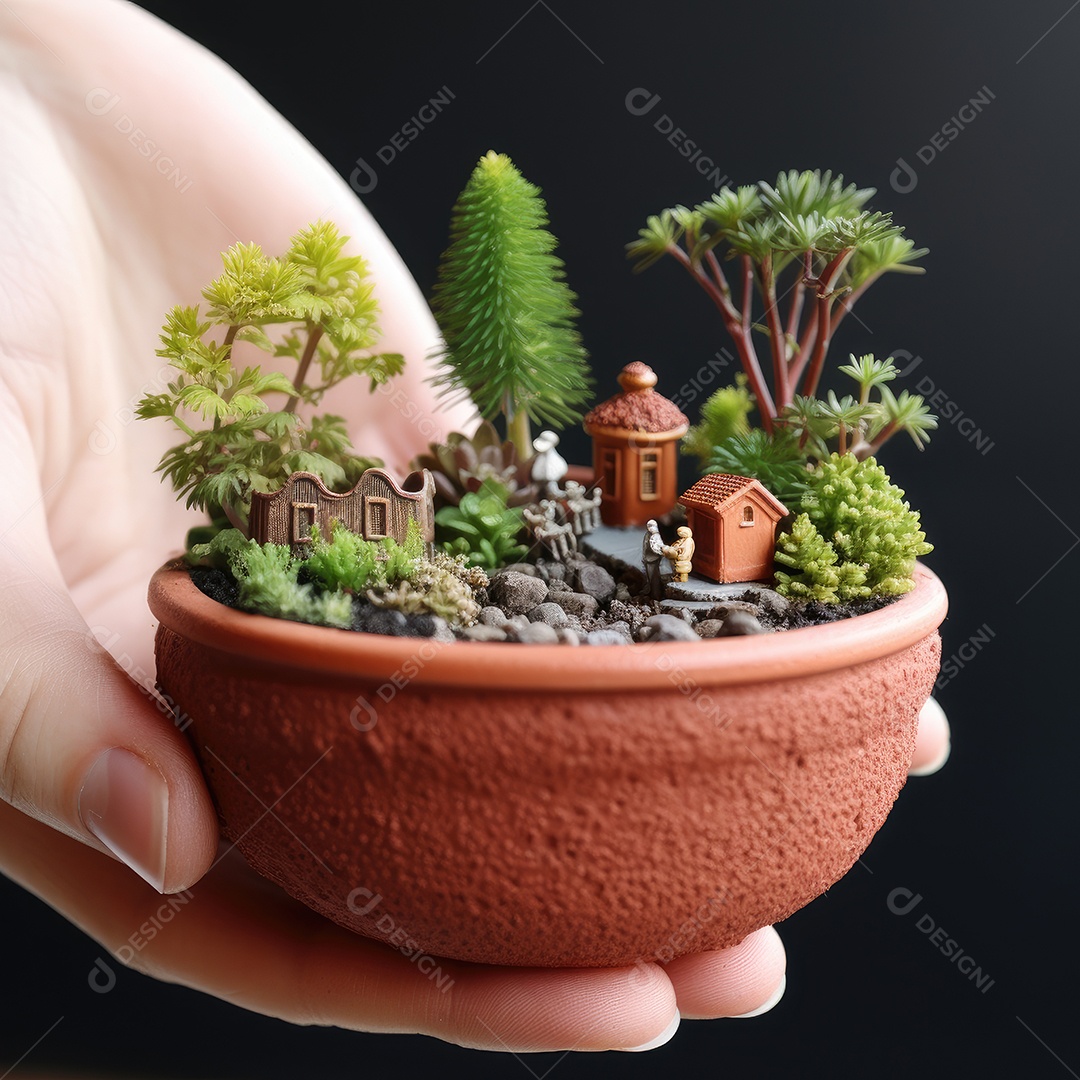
{"x": 665, "y": 1036}
{"x": 124, "y": 802}
{"x": 777, "y": 994}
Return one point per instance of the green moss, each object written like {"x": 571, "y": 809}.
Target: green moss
{"x": 443, "y": 585}
{"x": 874, "y": 535}
{"x": 266, "y": 575}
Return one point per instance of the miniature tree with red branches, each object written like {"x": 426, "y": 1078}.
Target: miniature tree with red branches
{"x": 807, "y": 242}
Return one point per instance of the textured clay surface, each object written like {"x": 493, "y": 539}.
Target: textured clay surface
{"x": 550, "y": 828}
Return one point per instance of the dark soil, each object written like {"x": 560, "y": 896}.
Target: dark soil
{"x": 574, "y": 603}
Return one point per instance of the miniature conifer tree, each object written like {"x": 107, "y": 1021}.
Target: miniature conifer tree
{"x": 505, "y": 310}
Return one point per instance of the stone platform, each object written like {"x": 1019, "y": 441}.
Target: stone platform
{"x": 623, "y": 545}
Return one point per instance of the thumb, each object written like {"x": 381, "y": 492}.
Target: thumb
{"x": 83, "y": 748}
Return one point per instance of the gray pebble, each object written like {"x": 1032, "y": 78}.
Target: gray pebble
{"x": 537, "y": 633}
{"x": 666, "y": 628}
{"x": 549, "y": 613}
{"x": 515, "y": 592}
{"x": 595, "y": 581}
{"x": 606, "y": 637}
{"x": 738, "y": 624}
{"x": 492, "y": 616}
{"x": 581, "y": 604}
{"x": 480, "y": 632}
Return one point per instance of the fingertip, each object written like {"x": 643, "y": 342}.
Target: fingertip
{"x": 662, "y": 1039}
{"x": 933, "y": 740}
{"x": 739, "y": 981}
{"x": 767, "y": 1006}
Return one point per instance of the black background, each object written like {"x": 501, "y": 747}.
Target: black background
{"x": 989, "y": 842}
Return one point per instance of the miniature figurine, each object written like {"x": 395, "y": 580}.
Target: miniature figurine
{"x": 681, "y": 553}
{"x": 548, "y": 466}
{"x": 582, "y": 508}
{"x": 556, "y": 536}
{"x": 652, "y": 551}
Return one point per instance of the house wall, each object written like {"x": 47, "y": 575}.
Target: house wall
{"x": 727, "y": 550}
{"x": 286, "y": 515}
{"x": 625, "y": 506}
{"x": 748, "y": 549}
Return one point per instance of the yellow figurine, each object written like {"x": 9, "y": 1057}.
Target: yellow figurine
{"x": 681, "y": 553}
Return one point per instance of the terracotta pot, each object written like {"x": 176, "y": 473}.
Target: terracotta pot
{"x": 546, "y": 804}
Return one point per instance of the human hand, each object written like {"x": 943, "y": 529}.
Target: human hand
{"x": 132, "y": 158}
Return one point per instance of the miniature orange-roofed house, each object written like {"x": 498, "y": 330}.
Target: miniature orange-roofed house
{"x": 635, "y": 449}
{"x": 733, "y": 519}
{"x": 376, "y": 508}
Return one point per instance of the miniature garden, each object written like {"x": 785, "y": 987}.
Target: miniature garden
{"x": 494, "y": 536}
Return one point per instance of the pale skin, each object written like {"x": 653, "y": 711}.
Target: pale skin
{"x": 99, "y": 236}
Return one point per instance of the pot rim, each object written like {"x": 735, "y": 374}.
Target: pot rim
{"x": 178, "y": 604}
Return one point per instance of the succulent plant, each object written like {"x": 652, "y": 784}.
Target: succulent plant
{"x": 462, "y": 464}
{"x": 482, "y": 527}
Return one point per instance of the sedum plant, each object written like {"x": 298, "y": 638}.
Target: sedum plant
{"x": 505, "y": 311}
{"x": 860, "y": 424}
{"x": 443, "y": 585}
{"x": 349, "y": 563}
{"x": 267, "y": 578}
{"x": 874, "y": 535}
{"x": 312, "y": 308}
{"x": 463, "y": 462}
{"x": 482, "y": 528}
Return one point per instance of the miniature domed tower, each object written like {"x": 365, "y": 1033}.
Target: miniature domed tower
{"x": 635, "y": 449}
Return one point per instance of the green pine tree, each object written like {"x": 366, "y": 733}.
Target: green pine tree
{"x": 505, "y": 310}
